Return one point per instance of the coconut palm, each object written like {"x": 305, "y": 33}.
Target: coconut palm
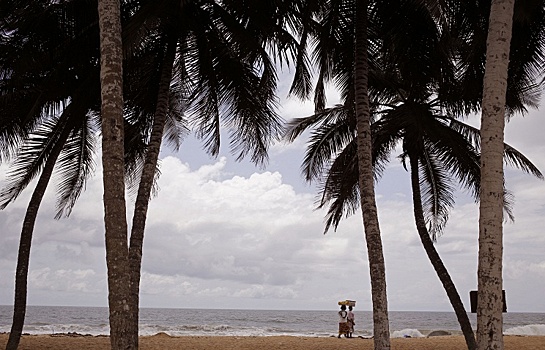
{"x": 487, "y": 53}
{"x": 504, "y": 67}
{"x": 489, "y": 304}
{"x": 30, "y": 101}
{"x": 217, "y": 55}
{"x": 340, "y": 54}
{"x": 351, "y": 37}
{"x": 63, "y": 143}
{"x": 381, "y": 329}
{"x": 111, "y": 83}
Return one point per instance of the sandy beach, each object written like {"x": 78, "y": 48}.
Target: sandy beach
{"x": 164, "y": 341}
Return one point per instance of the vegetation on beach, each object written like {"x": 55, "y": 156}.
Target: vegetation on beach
{"x": 145, "y": 71}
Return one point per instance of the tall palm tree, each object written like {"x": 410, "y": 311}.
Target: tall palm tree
{"x": 490, "y": 283}
{"x": 351, "y": 37}
{"x": 111, "y": 82}
{"x": 381, "y": 329}
{"x": 504, "y": 67}
{"x": 339, "y": 30}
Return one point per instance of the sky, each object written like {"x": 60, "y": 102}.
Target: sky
{"x": 229, "y": 235}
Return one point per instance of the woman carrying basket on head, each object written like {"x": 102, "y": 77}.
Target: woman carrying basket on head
{"x": 343, "y": 322}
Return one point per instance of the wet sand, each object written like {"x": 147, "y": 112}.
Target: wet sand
{"x": 163, "y": 341}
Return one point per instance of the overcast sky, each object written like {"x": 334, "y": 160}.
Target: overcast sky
{"x": 222, "y": 234}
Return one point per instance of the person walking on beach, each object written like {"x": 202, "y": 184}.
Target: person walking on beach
{"x": 343, "y": 322}
{"x": 350, "y": 318}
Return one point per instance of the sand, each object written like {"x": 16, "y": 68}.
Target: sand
{"x": 166, "y": 342}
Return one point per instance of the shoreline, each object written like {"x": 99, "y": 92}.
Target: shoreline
{"x": 65, "y": 341}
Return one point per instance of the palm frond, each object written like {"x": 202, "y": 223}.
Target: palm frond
{"x": 76, "y": 164}
{"x": 518, "y": 160}
{"x": 325, "y": 142}
{"x": 437, "y": 193}
{"x": 32, "y": 157}
{"x": 340, "y": 190}
{"x": 508, "y": 204}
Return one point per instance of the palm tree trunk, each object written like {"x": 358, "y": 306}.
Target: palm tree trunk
{"x": 146, "y": 183}
{"x": 489, "y": 303}
{"x": 25, "y": 242}
{"x": 436, "y": 261}
{"x": 111, "y": 79}
{"x": 381, "y": 328}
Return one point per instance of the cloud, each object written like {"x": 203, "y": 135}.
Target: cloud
{"x": 220, "y": 237}
{"x": 237, "y": 229}
{"x": 66, "y": 280}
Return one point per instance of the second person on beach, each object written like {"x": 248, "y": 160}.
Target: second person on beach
{"x": 350, "y": 318}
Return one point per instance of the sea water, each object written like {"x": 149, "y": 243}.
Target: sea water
{"x": 209, "y": 322}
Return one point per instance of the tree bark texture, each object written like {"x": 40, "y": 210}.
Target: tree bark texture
{"x": 489, "y": 304}
{"x": 111, "y": 80}
{"x": 381, "y": 328}
{"x": 436, "y": 261}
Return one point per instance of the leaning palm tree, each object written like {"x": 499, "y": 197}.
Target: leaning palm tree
{"x": 216, "y": 57}
{"x": 58, "y": 141}
{"x": 30, "y": 100}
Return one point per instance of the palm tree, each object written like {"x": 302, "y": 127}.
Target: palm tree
{"x": 216, "y": 55}
{"x": 60, "y": 137}
{"x": 489, "y": 304}
{"x": 146, "y": 183}
{"x": 381, "y": 329}
{"x": 339, "y": 29}
{"x": 111, "y": 82}
{"x": 504, "y": 67}
{"x": 344, "y": 54}
{"x": 30, "y": 99}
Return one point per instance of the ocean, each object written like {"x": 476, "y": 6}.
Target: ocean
{"x": 209, "y": 322}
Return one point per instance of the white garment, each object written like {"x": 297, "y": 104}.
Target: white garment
{"x": 342, "y": 316}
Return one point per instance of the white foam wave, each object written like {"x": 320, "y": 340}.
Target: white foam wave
{"x": 531, "y": 329}
{"x": 209, "y": 330}
{"x": 407, "y": 333}
{"x": 61, "y": 328}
